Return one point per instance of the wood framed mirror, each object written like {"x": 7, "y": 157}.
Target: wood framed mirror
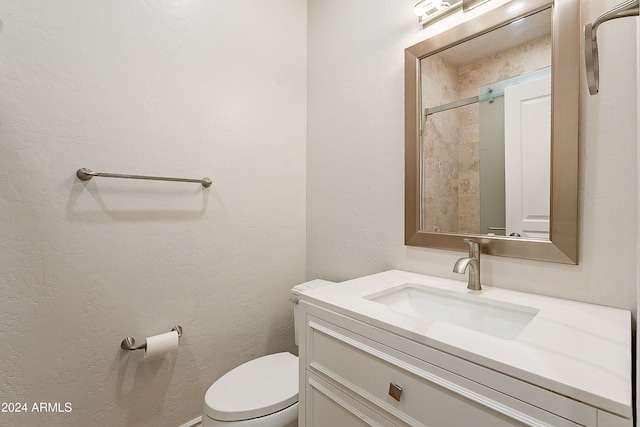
{"x": 437, "y": 188}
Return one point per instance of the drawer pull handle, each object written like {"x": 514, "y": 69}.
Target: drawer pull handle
{"x": 395, "y": 391}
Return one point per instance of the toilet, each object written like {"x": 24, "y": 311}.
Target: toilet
{"x": 262, "y": 392}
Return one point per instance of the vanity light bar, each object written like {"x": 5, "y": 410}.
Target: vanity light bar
{"x": 431, "y": 10}
{"x": 468, "y": 5}
{"x": 429, "y": 7}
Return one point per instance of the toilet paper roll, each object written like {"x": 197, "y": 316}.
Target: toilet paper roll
{"x": 161, "y": 344}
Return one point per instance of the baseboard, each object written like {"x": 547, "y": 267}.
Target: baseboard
{"x": 196, "y": 422}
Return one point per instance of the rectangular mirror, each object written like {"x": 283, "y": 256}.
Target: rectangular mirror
{"x": 492, "y": 133}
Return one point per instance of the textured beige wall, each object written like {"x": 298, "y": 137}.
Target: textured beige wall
{"x": 186, "y": 89}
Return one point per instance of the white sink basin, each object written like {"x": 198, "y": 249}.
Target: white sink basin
{"x": 500, "y": 319}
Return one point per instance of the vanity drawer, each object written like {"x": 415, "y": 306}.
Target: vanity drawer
{"x": 328, "y": 406}
{"x": 424, "y": 394}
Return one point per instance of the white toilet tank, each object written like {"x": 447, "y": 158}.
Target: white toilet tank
{"x": 298, "y": 323}
{"x": 262, "y": 392}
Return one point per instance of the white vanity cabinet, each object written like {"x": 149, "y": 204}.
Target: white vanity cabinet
{"x": 357, "y": 373}
{"x": 349, "y": 379}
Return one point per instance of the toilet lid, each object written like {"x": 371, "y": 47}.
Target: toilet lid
{"x": 259, "y": 387}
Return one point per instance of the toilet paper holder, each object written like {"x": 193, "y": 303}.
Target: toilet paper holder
{"x": 129, "y": 343}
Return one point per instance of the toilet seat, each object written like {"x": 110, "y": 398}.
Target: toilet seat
{"x": 254, "y": 389}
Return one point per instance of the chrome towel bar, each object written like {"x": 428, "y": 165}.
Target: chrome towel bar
{"x": 129, "y": 343}
{"x": 628, "y": 8}
{"x": 86, "y": 174}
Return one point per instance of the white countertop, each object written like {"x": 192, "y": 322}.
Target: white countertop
{"x": 579, "y": 350}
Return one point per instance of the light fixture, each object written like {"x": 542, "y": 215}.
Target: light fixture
{"x": 428, "y": 8}
{"x": 429, "y": 11}
{"x": 468, "y": 5}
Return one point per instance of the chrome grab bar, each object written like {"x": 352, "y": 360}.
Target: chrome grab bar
{"x": 86, "y": 174}
{"x": 628, "y": 8}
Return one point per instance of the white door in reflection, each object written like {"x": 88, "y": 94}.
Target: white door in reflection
{"x": 528, "y": 158}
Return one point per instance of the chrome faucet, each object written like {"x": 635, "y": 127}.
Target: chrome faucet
{"x": 473, "y": 263}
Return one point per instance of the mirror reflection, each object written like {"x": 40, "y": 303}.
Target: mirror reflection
{"x": 486, "y": 133}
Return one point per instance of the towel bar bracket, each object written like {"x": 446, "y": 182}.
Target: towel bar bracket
{"x": 626, "y": 9}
